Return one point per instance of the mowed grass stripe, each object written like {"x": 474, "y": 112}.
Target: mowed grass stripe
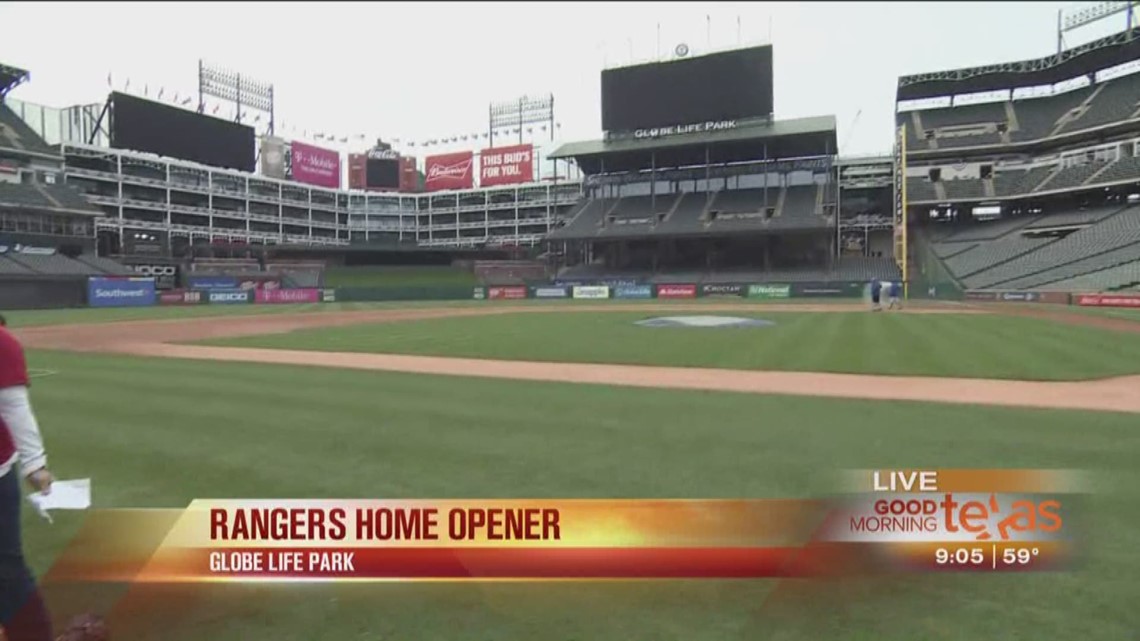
{"x": 162, "y": 432}
{"x": 950, "y": 345}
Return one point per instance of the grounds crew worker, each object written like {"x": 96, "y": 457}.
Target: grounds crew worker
{"x": 23, "y": 616}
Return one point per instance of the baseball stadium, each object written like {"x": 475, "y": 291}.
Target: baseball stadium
{"x": 708, "y": 300}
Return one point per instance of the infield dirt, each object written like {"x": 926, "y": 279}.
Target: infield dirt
{"x": 157, "y": 339}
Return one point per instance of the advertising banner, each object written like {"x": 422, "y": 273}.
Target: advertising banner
{"x": 228, "y": 296}
{"x": 480, "y": 293}
{"x": 273, "y": 157}
{"x": 506, "y": 293}
{"x": 592, "y": 292}
{"x": 722, "y": 290}
{"x": 328, "y": 295}
{"x": 1018, "y": 297}
{"x": 449, "y": 171}
{"x": 551, "y": 292}
{"x": 315, "y": 166}
{"x": 769, "y": 291}
{"x": 827, "y": 290}
{"x": 676, "y": 291}
{"x": 279, "y": 296}
{"x": 120, "y": 292}
{"x": 633, "y": 291}
{"x": 165, "y": 276}
{"x": 974, "y": 295}
{"x": 181, "y": 297}
{"x": 212, "y": 282}
{"x": 258, "y": 283}
{"x": 506, "y": 165}
{"x": 1109, "y": 300}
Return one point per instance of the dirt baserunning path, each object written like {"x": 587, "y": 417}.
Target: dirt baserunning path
{"x": 155, "y": 338}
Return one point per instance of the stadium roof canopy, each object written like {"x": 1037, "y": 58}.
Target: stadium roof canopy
{"x": 10, "y": 78}
{"x": 776, "y": 139}
{"x": 1080, "y": 61}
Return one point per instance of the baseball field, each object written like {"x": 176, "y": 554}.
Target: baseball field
{"x": 483, "y": 400}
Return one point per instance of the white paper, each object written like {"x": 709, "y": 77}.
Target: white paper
{"x": 65, "y": 495}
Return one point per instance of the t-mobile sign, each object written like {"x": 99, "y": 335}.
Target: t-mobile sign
{"x": 315, "y": 166}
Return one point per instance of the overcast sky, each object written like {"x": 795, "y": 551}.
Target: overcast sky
{"x": 420, "y": 70}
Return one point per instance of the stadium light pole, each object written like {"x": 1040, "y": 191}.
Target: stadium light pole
{"x": 237, "y": 89}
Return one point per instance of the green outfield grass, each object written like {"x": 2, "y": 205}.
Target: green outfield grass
{"x": 159, "y": 433}
{"x": 984, "y": 346}
{"x": 397, "y": 276}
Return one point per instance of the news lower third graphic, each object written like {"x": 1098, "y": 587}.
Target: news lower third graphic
{"x": 880, "y": 522}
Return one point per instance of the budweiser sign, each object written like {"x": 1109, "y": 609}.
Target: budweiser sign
{"x": 449, "y": 171}
{"x": 506, "y": 165}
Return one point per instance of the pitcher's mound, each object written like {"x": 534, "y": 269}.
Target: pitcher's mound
{"x": 704, "y": 321}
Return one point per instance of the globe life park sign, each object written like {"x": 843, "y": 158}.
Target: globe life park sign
{"x": 678, "y": 130}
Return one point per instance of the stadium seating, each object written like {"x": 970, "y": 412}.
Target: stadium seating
{"x": 10, "y": 267}
{"x": 963, "y": 188}
{"x": 1116, "y": 231}
{"x": 1089, "y": 265}
{"x": 56, "y": 264}
{"x": 848, "y": 269}
{"x": 1026, "y": 119}
{"x": 105, "y": 265}
{"x": 1115, "y": 101}
{"x": 585, "y": 218}
{"x": 1112, "y": 278}
{"x": 986, "y": 255}
{"x": 23, "y": 195}
{"x": 1127, "y": 168}
{"x": 1072, "y": 176}
{"x": 16, "y": 134}
{"x": 919, "y": 189}
{"x": 1037, "y": 117}
{"x": 1020, "y": 181}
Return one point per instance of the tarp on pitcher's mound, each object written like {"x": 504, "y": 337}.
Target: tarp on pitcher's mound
{"x": 704, "y": 321}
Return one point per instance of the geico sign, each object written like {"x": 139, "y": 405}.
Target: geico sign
{"x": 156, "y": 270}
{"x": 228, "y": 297}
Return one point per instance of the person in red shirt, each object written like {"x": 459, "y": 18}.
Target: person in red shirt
{"x": 23, "y": 616}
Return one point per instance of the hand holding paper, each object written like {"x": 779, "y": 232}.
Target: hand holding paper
{"x": 65, "y": 495}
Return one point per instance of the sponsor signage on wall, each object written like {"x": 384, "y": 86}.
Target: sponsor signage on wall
{"x": 449, "y": 171}
{"x": 551, "y": 292}
{"x": 676, "y": 291}
{"x": 975, "y": 295}
{"x": 506, "y": 293}
{"x": 120, "y": 292}
{"x": 212, "y": 282}
{"x": 479, "y": 293}
{"x": 328, "y": 295}
{"x": 277, "y": 296}
{"x": 591, "y": 291}
{"x": 506, "y": 165}
{"x": 633, "y": 291}
{"x": 722, "y": 290}
{"x": 181, "y": 297}
{"x": 228, "y": 296}
{"x": 769, "y": 291}
{"x": 1018, "y": 297}
{"x": 1109, "y": 300}
{"x": 315, "y": 166}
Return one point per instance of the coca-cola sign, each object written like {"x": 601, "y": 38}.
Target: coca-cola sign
{"x": 383, "y": 154}
{"x": 315, "y": 166}
{"x": 449, "y": 171}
